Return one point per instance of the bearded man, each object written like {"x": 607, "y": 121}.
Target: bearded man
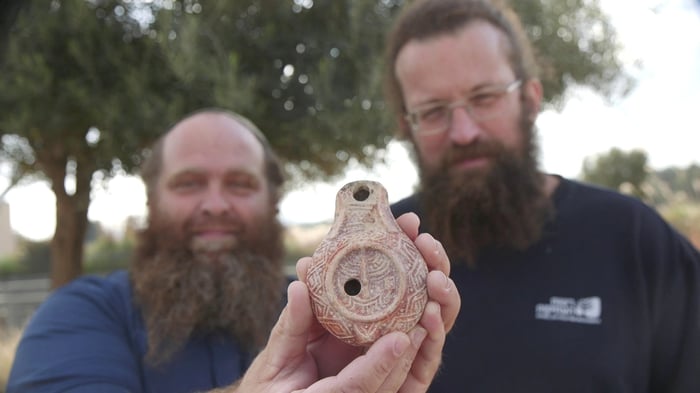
{"x": 211, "y": 256}
{"x": 565, "y": 287}
{"x": 206, "y": 286}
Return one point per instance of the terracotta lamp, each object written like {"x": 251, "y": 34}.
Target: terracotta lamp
{"x": 367, "y": 277}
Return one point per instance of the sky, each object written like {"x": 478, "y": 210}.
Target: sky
{"x": 661, "y": 49}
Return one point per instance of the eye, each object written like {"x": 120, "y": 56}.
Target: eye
{"x": 433, "y": 114}
{"x": 484, "y": 98}
{"x": 186, "y": 184}
{"x": 242, "y": 184}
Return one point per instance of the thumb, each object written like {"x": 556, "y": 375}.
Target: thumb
{"x": 291, "y": 333}
{"x": 286, "y": 349}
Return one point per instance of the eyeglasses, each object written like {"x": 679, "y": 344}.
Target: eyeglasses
{"x": 435, "y": 118}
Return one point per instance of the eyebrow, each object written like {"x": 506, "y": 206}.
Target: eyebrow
{"x": 475, "y": 90}
{"x": 186, "y": 172}
{"x": 194, "y": 171}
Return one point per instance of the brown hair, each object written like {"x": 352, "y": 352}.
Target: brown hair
{"x": 153, "y": 163}
{"x": 424, "y": 19}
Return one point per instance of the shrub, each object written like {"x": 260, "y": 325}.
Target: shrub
{"x": 106, "y": 254}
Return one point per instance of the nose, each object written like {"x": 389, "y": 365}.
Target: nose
{"x": 463, "y": 129}
{"x": 214, "y": 202}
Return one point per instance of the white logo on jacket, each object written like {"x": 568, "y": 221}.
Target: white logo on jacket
{"x": 587, "y": 310}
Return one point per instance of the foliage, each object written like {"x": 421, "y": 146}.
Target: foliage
{"x": 87, "y": 85}
{"x": 685, "y": 217}
{"x": 36, "y": 258}
{"x": 9, "y": 266}
{"x": 685, "y": 181}
{"x": 80, "y": 87}
{"x": 673, "y": 192}
{"x": 308, "y": 73}
{"x": 106, "y": 254}
{"x": 576, "y": 44}
{"x": 83, "y": 93}
{"x": 316, "y": 68}
{"x": 8, "y": 13}
{"x": 314, "y": 71}
{"x": 33, "y": 258}
{"x": 619, "y": 170}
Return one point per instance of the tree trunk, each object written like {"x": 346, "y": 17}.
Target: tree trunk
{"x": 67, "y": 242}
{"x": 71, "y": 214}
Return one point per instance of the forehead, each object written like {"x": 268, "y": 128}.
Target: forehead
{"x": 211, "y": 142}
{"x": 475, "y": 53}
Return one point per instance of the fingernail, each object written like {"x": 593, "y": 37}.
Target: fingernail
{"x": 432, "y": 308}
{"x": 417, "y": 336}
{"x": 437, "y": 247}
{"x": 445, "y": 282}
{"x": 400, "y": 345}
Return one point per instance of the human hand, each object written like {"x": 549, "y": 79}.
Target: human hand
{"x": 302, "y": 356}
{"x": 437, "y": 319}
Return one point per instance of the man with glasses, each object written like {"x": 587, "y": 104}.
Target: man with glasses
{"x": 565, "y": 287}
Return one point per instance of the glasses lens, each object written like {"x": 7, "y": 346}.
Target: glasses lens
{"x": 482, "y": 106}
{"x": 433, "y": 119}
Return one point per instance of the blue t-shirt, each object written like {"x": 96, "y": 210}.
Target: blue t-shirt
{"x": 607, "y": 301}
{"x": 88, "y": 336}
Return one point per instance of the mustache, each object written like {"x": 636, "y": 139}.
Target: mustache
{"x": 225, "y": 222}
{"x": 479, "y": 149}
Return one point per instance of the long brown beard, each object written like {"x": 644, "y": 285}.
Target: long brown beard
{"x": 182, "y": 293}
{"x": 505, "y": 207}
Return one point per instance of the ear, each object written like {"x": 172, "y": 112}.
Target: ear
{"x": 532, "y": 89}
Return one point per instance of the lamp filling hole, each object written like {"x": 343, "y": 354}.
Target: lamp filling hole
{"x": 353, "y": 287}
{"x": 361, "y": 194}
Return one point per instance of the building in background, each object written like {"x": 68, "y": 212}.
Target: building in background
{"x": 8, "y": 239}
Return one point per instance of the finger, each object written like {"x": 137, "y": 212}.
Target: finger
{"x": 316, "y": 332}
{"x": 398, "y": 375}
{"x": 367, "y": 373}
{"x": 289, "y": 336}
{"x": 442, "y": 289}
{"x": 286, "y": 348}
{"x": 408, "y": 222}
{"x": 302, "y": 268}
{"x": 429, "y": 356}
{"x": 433, "y": 252}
